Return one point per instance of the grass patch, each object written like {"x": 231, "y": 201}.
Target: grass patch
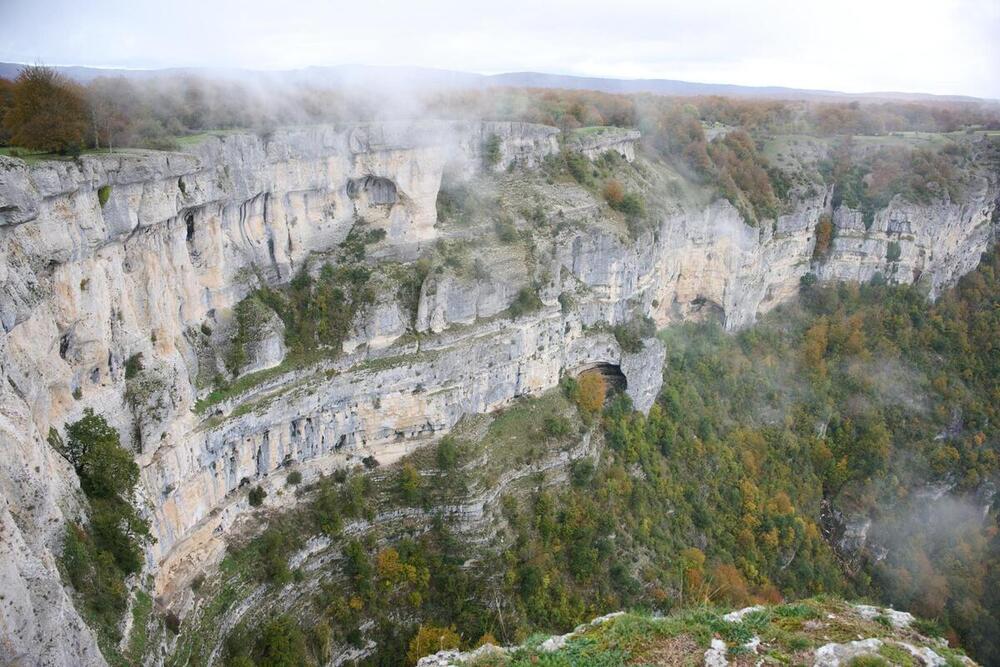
{"x": 142, "y": 607}
{"x": 897, "y": 655}
{"x": 31, "y": 157}
{"x": 250, "y": 380}
{"x": 188, "y": 140}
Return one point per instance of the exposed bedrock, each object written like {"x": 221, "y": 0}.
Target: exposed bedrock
{"x": 181, "y": 237}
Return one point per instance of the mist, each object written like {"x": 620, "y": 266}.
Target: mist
{"x": 943, "y": 47}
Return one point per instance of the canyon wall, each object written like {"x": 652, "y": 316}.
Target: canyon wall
{"x": 134, "y": 256}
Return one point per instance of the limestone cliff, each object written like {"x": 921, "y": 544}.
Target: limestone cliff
{"x": 142, "y": 255}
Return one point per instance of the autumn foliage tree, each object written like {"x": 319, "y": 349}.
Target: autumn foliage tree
{"x": 614, "y": 193}
{"x": 429, "y": 640}
{"x": 592, "y": 391}
{"x": 47, "y": 112}
{"x": 824, "y": 236}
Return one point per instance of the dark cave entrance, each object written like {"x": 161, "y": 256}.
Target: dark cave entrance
{"x": 381, "y": 191}
{"x": 612, "y": 374}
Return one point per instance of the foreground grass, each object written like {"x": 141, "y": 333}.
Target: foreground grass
{"x": 780, "y": 634}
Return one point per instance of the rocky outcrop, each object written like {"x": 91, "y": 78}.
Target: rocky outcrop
{"x": 674, "y": 645}
{"x": 934, "y": 244}
{"x": 594, "y": 142}
{"x": 523, "y": 145}
{"x": 109, "y": 258}
{"x": 137, "y": 255}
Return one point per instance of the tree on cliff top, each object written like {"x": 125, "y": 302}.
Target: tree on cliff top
{"x": 47, "y": 112}
{"x": 6, "y": 101}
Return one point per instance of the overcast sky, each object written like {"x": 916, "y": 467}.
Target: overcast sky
{"x": 943, "y": 46}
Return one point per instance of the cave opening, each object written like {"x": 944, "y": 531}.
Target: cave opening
{"x": 380, "y": 191}
{"x": 612, "y": 374}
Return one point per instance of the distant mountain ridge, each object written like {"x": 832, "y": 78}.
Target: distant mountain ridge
{"x": 406, "y": 78}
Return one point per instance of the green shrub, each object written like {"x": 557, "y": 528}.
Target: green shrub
{"x": 103, "y": 194}
{"x": 491, "y": 152}
{"x": 556, "y": 426}
{"x": 133, "y": 365}
{"x": 566, "y": 302}
{"x": 256, "y": 496}
{"x": 294, "y": 477}
{"x": 317, "y": 312}
{"x": 893, "y": 251}
{"x": 582, "y": 472}
{"x": 578, "y": 166}
{"x": 505, "y": 229}
{"x": 279, "y": 642}
{"x": 526, "y": 301}
{"x": 250, "y": 316}
{"x": 630, "y": 335}
{"x": 456, "y": 200}
{"x": 632, "y": 205}
{"x": 447, "y": 453}
{"x": 410, "y": 484}
{"x": 97, "y": 558}
{"x": 928, "y": 628}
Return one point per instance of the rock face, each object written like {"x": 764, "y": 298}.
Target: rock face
{"x": 518, "y": 144}
{"x": 934, "y": 244}
{"x": 594, "y": 142}
{"x": 85, "y": 287}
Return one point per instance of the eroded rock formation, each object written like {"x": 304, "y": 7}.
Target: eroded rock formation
{"x": 130, "y": 256}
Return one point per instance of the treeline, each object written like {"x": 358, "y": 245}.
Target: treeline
{"x": 868, "y": 181}
{"x": 42, "y": 110}
{"x": 45, "y": 111}
{"x": 571, "y": 109}
{"x": 730, "y": 162}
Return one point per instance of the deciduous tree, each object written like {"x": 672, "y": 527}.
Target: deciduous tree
{"x": 48, "y": 112}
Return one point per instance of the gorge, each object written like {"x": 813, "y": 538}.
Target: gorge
{"x": 122, "y": 277}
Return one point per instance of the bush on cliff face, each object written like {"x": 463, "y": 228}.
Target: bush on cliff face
{"x": 98, "y": 556}
{"x": 893, "y": 251}
{"x": 491, "y": 151}
{"x": 527, "y": 301}
{"x": 631, "y": 334}
{"x": 318, "y": 312}
{"x": 824, "y": 236}
{"x": 250, "y": 316}
{"x": 743, "y": 176}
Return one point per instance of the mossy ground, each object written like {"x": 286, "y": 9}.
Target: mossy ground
{"x": 788, "y": 635}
